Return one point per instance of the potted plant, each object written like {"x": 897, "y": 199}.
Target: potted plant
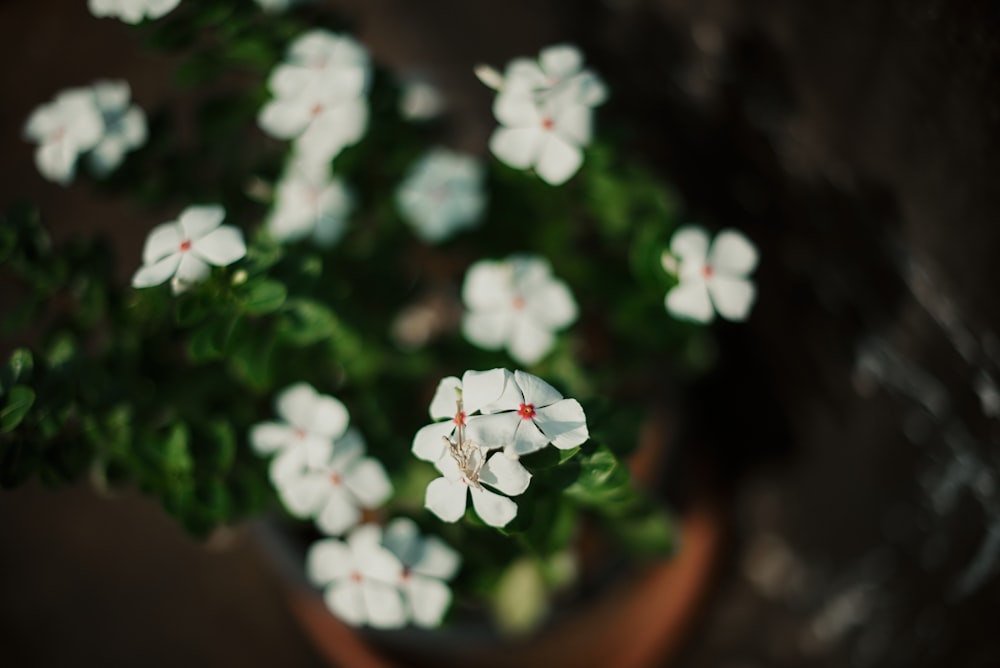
{"x": 436, "y": 363}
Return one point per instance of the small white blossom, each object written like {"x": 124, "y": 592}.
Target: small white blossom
{"x": 455, "y": 401}
{"x": 182, "y": 250}
{"x": 420, "y": 100}
{"x": 516, "y": 303}
{"x": 64, "y": 128}
{"x": 331, "y": 485}
{"x": 309, "y": 421}
{"x": 131, "y": 11}
{"x": 360, "y": 579}
{"x": 427, "y": 564}
{"x": 442, "y": 193}
{"x": 712, "y": 278}
{"x": 319, "y": 95}
{"x": 124, "y": 125}
{"x": 529, "y": 415}
{"x": 309, "y": 203}
{"x": 545, "y": 111}
{"x": 465, "y": 473}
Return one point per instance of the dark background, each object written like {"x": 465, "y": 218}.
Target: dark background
{"x": 857, "y": 142}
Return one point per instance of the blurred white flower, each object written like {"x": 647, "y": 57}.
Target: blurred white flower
{"x": 310, "y": 203}
{"x": 442, "y": 193}
{"x": 275, "y": 6}
{"x": 124, "y": 125}
{"x": 182, "y": 250}
{"x": 360, "y": 578}
{"x": 466, "y": 474}
{"x": 516, "y": 303}
{"x": 309, "y": 421}
{"x": 64, "y": 128}
{"x": 529, "y": 415}
{"x": 131, "y": 11}
{"x": 319, "y": 95}
{"x": 420, "y": 100}
{"x": 455, "y": 401}
{"x": 712, "y": 278}
{"x": 545, "y": 111}
{"x": 331, "y": 485}
{"x": 427, "y": 564}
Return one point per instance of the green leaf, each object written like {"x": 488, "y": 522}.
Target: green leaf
{"x": 176, "y": 454}
{"x": 306, "y": 321}
{"x": 19, "y": 401}
{"x": 264, "y": 297}
{"x": 211, "y": 340}
{"x": 191, "y": 308}
{"x": 220, "y": 446}
{"x": 18, "y": 369}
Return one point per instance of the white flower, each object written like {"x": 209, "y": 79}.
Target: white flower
{"x": 360, "y": 578}
{"x": 131, "y": 11}
{"x": 455, "y": 401}
{"x": 274, "y": 6}
{"x": 182, "y": 250}
{"x": 529, "y": 415}
{"x": 447, "y": 496}
{"x": 64, "y": 128}
{"x": 442, "y": 193}
{"x": 545, "y": 110}
{"x": 420, "y": 100}
{"x": 319, "y": 95}
{"x": 710, "y": 277}
{"x": 517, "y": 304}
{"x": 331, "y": 485}
{"x": 124, "y": 125}
{"x": 310, "y": 203}
{"x": 427, "y": 563}
{"x": 309, "y": 421}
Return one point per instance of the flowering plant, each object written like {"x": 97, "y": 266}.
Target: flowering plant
{"x": 330, "y": 271}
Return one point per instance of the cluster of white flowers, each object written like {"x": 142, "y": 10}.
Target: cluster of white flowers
{"x": 712, "y": 277}
{"x": 310, "y": 204}
{"x": 319, "y": 95}
{"x": 545, "y": 110}
{"x": 442, "y": 194}
{"x": 132, "y": 11}
{"x": 182, "y": 250}
{"x": 97, "y": 119}
{"x": 385, "y": 580}
{"x": 319, "y": 468}
{"x": 516, "y": 304}
{"x": 515, "y": 412}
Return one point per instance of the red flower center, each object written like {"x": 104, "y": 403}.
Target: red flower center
{"x": 706, "y": 271}
{"x": 185, "y": 246}
{"x": 335, "y": 479}
{"x": 299, "y": 433}
{"x": 526, "y": 411}
{"x": 547, "y": 123}
{"x": 459, "y": 418}
{"x": 518, "y": 303}
{"x": 316, "y": 109}
{"x": 356, "y": 576}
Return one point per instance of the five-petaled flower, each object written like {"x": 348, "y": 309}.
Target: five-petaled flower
{"x": 472, "y": 471}
{"x": 360, "y": 578}
{"x": 516, "y": 303}
{"x": 331, "y": 484}
{"x": 131, "y": 11}
{"x": 427, "y": 564}
{"x": 182, "y": 250}
{"x": 309, "y": 203}
{"x": 64, "y": 128}
{"x": 545, "y": 111}
{"x": 309, "y": 421}
{"x": 319, "y": 95}
{"x": 442, "y": 194}
{"x": 713, "y": 278}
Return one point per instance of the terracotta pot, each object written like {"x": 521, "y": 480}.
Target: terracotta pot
{"x": 640, "y": 620}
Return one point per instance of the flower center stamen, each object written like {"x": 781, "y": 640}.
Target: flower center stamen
{"x": 707, "y": 271}
{"x": 526, "y": 411}
{"x": 185, "y": 245}
{"x": 547, "y": 123}
{"x": 335, "y": 479}
{"x": 459, "y": 418}
{"x": 518, "y": 303}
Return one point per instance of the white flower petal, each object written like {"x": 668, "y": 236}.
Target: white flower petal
{"x": 573, "y": 122}
{"x": 329, "y": 416}
{"x": 516, "y": 108}
{"x": 56, "y": 161}
{"x": 384, "y": 605}
{"x": 561, "y": 60}
{"x": 690, "y": 243}
{"x": 328, "y": 560}
{"x": 487, "y": 286}
{"x": 489, "y": 330}
{"x": 495, "y": 510}
{"x": 191, "y": 270}
{"x": 564, "y": 423}
{"x": 428, "y": 600}
{"x": 197, "y": 221}
{"x": 368, "y": 481}
{"x": 446, "y": 498}
{"x": 347, "y": 449}
{"x": 480, "y": 388}
{"x": 552, "y": 305}
{"x": 505, "y": 474}
{"x": 296, "y": 404}
{"x": 493, "y": 431}
{"x": 155, "y": 274}
{"x": 291, "y": 463}
{"x": 338, "y": 512}
{"x": 163, "y": 240}
{"x": 402, "y": 538}
{"x": 690, "y": 300}
{"x": 346, "y": 600}
{"x": 535, "y": 390}
{"x": 437, "y": 559}
{"x": 221, "y": 246}
{"x": 733, "y": 297}
{"x": 266, "y": 438}
{"x": 428, "y": 444}
{"x": 444, "y": 404}
{"x": 732, "y": 253}
{"x": 375, "y": 561}
{"x": 303, "y": 496}
{"x": 558, "y": 160}
{"x": 529, "y": 342}
{"x": 517, "y": 147}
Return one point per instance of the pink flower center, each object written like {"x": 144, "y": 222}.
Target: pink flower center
{"x": 518, "y": 303}
{"x": 405, "y": 575}
{"x": 185, "y": 246}
{"x": 707, "y": 271}
{"x": 526, "y": 411}
{"x": 315, "y": 111}
{"x": 547, "y": 123}
{"x": 299, "y": 433}
{"x": 355, "y": 576}
{"x": 459, "y": 418}
{"x": 335, "y": 479}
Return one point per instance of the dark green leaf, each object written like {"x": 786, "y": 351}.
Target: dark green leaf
{"x": 264, "y": 297}
{"x": 19, "y": 401}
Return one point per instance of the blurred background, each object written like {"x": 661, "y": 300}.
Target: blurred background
{"x": 857, "y": 143}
